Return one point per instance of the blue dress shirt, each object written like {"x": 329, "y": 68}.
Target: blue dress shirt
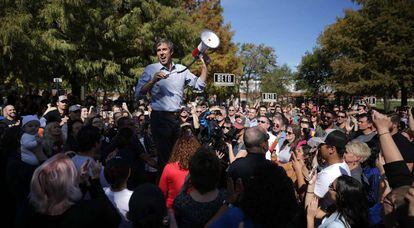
{"x": 167, "y": 94}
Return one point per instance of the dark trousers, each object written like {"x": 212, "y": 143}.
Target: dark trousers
{"x": 165, "y": 128}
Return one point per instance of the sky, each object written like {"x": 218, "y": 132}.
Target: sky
{"x": 291, "y": 27}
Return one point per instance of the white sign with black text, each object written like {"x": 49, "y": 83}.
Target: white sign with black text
{"x": 372, "y": 101}
{"x": 223, "y": 79}
{"x": 57, "y": 80}
{"x": 269, "y": 97}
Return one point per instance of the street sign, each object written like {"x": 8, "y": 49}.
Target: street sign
{"x": 269, "y": 97}
{"x": 223, "y": 79}
{"x": 57, "y": 80}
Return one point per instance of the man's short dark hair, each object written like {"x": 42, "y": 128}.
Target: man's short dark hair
{"x": 369, "y": 117}
{"x": 331, "y": 112}
{"x": 204, "y": 170}
{"x": 122, "y": 121}
{"x": 395, "y": 119}
{"x": 343, "y": 112}
{"x": 253, "y": 137}
{"x": 116, "y": 172}
{"x": 88, "y": 136}
{"x": 262, "y": 106}
{"x": 165, "y": 41}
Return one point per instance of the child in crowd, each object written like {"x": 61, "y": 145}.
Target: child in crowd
{"x": 30, "y": 141}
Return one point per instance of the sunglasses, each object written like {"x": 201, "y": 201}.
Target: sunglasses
{"x": 198, "y": 111}
{"x": 261, "y": 121}
{"x": 341, "y": 116}
{"x": 289, "y": 133}
{"x": 231, "y": 110}
{"x": 228, "y": 128}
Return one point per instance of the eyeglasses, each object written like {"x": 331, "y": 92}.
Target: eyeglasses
{"x": 224, "y": 127}
{"x": 262, "y": 121}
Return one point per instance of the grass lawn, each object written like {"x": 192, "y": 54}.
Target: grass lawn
{"x": 394, "y": 104}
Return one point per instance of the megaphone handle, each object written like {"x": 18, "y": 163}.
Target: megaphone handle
{"x": 181, "y": 71}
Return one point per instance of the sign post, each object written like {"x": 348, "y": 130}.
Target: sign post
{"x": 57, "y": 81}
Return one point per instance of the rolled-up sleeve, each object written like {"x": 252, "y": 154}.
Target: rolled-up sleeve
{"x": 194, "y": 81}
{"x": 144, "y": 79}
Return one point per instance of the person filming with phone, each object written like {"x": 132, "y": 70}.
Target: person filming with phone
{"x": 165, "y": 81}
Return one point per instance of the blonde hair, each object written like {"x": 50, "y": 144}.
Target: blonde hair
{"x": 359, "y": 149}
{"x": 54, "y": 186}
{"x": 49, "y": 140}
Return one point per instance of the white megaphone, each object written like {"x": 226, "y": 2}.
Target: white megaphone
{"x": 208, "y": 40}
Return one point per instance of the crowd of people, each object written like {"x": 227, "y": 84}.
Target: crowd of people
{"x": 170, "y": 162}
{"x": 66, "y": 164}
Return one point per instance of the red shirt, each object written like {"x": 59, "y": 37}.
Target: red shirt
{"x": 172, "y": 179}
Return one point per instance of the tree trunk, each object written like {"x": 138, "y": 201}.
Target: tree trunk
{"x": 76, "y": 86}
{"x": 404, "y": 96}
{"x": 387, "y": 103}
{"x": 247, "y": 90}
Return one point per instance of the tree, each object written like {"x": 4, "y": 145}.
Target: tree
{"x": 107, "y": 43}
{"x": 279, "y": 81}
{"x": 257, "y": 60}
{"x": 313, "y": 71}
{"x": 372, "y": 50}
{"x": 104, "y": 44}
{"x": 100, "y": 44}
{"x": 209, "y": 14}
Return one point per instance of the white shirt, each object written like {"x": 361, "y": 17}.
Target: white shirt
{"x": 272, "y": 138}
{"x": 328, "y": 175}
{"x": 334, "y": 221}
{"x": 120, "y": 200}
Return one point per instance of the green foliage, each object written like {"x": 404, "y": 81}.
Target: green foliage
{"x": 102, "y": 44}
{"x": 313, "y": 71}
{"x": 279, "y": 81}
{"x": 257, "y": 60}
{"x": 371, "y": 51}
{"x": 208, "y": 14}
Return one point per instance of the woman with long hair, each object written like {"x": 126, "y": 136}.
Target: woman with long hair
{"x": 350, "y": 201}
{"x": 73, "y": 129}
{"x": 174, "y": 173}
{"x": 200, "y": 198}
{"x": 293, "y": 134}
{"x": 316, "y": 125}
{"x": 53, "y": 141}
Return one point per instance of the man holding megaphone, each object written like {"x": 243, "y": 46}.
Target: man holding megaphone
{"x": 165, "y": 81}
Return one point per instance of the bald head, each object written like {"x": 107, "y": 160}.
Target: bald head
{"x": 254, "y": 137}
{"x": 9, "y": 112}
